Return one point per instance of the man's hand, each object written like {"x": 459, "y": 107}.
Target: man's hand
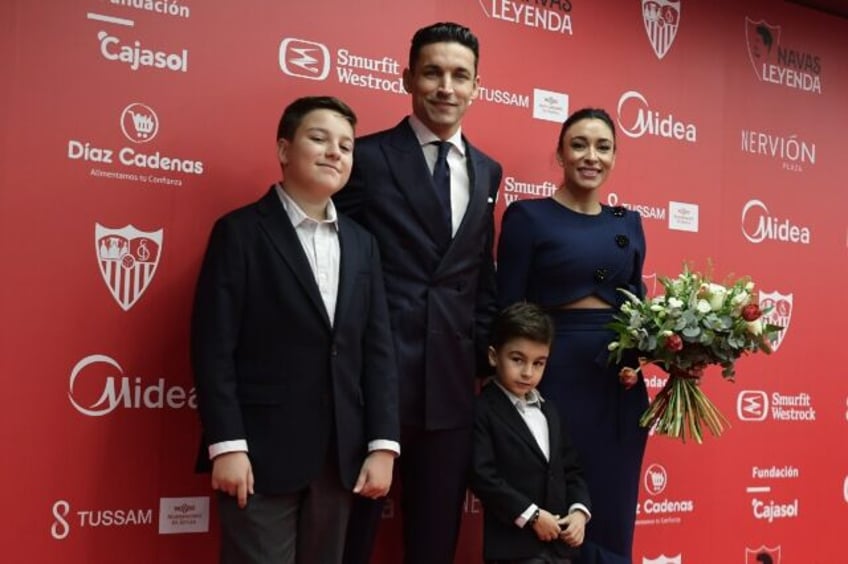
{"x": 573, "y": 528}
{"x": 546, "y": 526}
{"x": 232, "y": 473}
{"x": 375, "y": 477}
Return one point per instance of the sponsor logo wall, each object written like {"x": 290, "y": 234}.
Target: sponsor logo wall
{"x": 131, "y": 125}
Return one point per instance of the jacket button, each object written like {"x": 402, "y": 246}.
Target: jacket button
{"x": 600, "y": 274}
{"x": 334, "y": 351}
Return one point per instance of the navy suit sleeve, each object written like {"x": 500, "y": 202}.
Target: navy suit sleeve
{"x": 499, "y": 498}
{"x": 379, "y": 379}
{"x": 515, "y": 253}
{"x": 215, "y": 326}
{"x": 577, "y": 491}
{"x": 486, "y": 305}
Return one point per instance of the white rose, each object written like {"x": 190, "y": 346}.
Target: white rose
{"x": 613, "y": 345}
{"x": 717, "y": 293}
{"x": 749, "y": 286}
{"x": 703, "y": 306}
{"x": 755, "y": 327}
{"x": 675, "y": 303}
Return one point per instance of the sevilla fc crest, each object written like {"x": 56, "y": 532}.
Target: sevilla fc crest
{"x": 780, "y": 313}
{"x": 128, "y": 259}
{"x": 663, "y": 559}
{"x": 762, "y": 555}
{"x": 762, "y": 39}
{"x": 662, "y": 18}
{"x": 650, "y": 283}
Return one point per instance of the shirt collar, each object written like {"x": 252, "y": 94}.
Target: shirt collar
{"x": 532, "y": 398}
{"x": 298, "y": 216}
{"x": 425, "y": 136}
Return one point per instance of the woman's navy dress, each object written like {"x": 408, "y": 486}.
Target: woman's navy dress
{"x": 551, "y": 255}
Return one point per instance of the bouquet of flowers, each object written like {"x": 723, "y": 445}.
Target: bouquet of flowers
{"x": 696, "y": 323}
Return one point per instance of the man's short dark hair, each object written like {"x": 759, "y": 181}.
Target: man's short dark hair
{"x": 443, "y": 32}
{"x": 521, "y": 320}
{"x": 295, "y": 112}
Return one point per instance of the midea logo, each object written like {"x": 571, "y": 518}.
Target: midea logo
{"x": 128, "y": 393}
{"x": 758, "y": 225}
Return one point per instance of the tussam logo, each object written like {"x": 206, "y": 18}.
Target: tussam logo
{"x": 636, "y": 118}
{"x": 661, "y": 18}
{"x": 553, "y": 15}
{"x": 107, "y": 389}
{"x": 63, "y": 518}
{"x": 304, "y": 59}
{"x": 762, "y": 555}
{"x": 128, "y": 258}
{"x": 645, "y": 210}
{"x": 757, "y": 405}
{"x": 759, "y": 225}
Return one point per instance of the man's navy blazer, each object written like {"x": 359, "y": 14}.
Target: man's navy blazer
{"x": 269, "y": 366}
{"x": 510, "y": 472}
{"x": 440, "y": 290}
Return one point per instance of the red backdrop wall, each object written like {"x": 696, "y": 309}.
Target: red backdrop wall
{"x": 129, "y": 126}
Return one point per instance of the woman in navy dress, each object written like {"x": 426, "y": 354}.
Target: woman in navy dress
{"x": 570, "y": 254}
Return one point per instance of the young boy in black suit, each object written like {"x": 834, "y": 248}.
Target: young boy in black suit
{"x": 292, "y": 354}
{"x": 525, "y": 469}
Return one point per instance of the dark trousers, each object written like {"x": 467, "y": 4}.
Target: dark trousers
{"x": 305, "y": 527}
{"x": 433, "y": 471}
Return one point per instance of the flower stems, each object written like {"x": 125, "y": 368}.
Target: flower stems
{"x": 682, "y": 407}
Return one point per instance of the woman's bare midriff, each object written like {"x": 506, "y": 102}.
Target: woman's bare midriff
{"x": 588, "y": 302}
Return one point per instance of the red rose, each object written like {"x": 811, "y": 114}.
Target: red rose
{"x": 628, "y": 377}
{"x": 674, "y": 343}
{"x": 751, "y": 312}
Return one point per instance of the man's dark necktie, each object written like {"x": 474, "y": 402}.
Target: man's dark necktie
{"x": 442, "y": 181}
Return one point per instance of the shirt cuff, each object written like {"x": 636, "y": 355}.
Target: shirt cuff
{"x": 217, "y": 449}
{"x": 521, "y": 520}
{"x": 383, "y": 444}
{"x": 580, "y": 507}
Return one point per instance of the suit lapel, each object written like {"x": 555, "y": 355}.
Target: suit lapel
{"x": 347, "y": 269}
{"x": 279, "y": 229}
{"x": 508, "y": 413}
{"x": 413, "y": 178}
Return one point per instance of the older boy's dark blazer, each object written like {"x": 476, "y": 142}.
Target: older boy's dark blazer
{"x": 441, "y": 291}
{"x": 509, "y": 472}
{"x": 268, "y": 365}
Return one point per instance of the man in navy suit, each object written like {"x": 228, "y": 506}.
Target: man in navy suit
{"x": 292, "y": 354}
{"x": 427, "y": 195}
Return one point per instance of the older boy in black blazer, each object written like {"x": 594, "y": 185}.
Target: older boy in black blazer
{"x": 292, "y": 353}
{"x": 525, "y": 469}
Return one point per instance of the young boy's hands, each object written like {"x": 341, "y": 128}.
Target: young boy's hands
{"x": 573, "y": 528}
{"x": 232, "y": 474}
{"x": 375, "y": 477}
{"x": 546, "y": 526}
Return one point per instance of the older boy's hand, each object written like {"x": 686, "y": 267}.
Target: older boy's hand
{"x": 375, "y": 477}
{"x": 232, "y": 473}
{"x": 573, "y": 528}
{"x": 546, "y": 526}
